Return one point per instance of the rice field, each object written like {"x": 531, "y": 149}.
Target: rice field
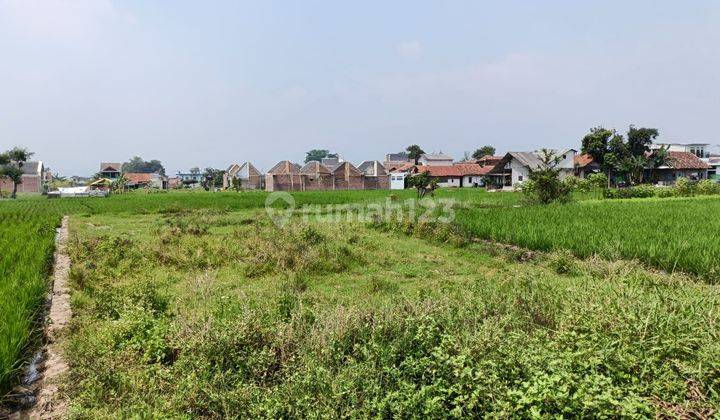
{"x": 670, "y": 234}
{"x": 27, "y": 244}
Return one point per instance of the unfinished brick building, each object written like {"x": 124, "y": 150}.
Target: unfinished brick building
{"x": 317, "y": 176}
{"x": 285, "y": 176}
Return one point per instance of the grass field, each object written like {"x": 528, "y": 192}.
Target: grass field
{"x": 213, "y": 313}
{"x": 192, "y": 303}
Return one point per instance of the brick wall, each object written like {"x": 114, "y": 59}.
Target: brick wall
{"x": 30, "y": 184}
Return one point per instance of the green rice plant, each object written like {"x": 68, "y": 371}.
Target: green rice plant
{"x": 674, "y": 234}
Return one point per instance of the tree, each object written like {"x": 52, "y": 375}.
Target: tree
{"x": 640, "y": 139}
{"x": 138, "y": 165}
{"x": 483, "y": 151}
{"x": 212, "y": 178}
{"x": 423, "y": 183}
{"x": 414, "y": 152}
{"x": 11, "y": 164}
{"x": 545, "y": 186}
{"x": 318, "y": 155}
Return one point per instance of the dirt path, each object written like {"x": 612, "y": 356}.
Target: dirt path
{"x": 50, "y": 404}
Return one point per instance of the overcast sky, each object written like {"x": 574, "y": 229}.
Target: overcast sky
{"x": 206, "y": 83}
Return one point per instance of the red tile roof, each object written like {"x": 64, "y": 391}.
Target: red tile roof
{"x": 401, "y": 168}
{"x": 583, "y": 160}
{"x": 138, "y": 178}
{"x": 444, "y": 170}
{"x": 473, "y": 168}
{"x": 685, "y": 160}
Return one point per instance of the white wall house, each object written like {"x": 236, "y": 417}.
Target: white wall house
{"x": 698, "y": 149}
{"x": 397, "y": 180}
{"x": 515, "y": 166}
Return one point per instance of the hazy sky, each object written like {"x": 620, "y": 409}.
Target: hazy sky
{"x": 206, "y": 83}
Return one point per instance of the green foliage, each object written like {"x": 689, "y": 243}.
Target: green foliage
{"x": 545, "y": 185}
{"x": 598, "y": 180}
{"x": 657, "y": 232}
{"x": 11, "y": 163}
{"x": 423, "y": 183}
{"x": 467, "y": 335}
{"x": 707, "y": 187}
{"x": 318, "y": 155}
{"x": 640, "y": 191}
{"x": 414, "y": 152}
{"x": 683, "y": 187}
{"x": 483, "y": 151}
{"x": 138, "y": 165}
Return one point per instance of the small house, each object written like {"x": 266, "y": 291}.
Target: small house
{"x": 680, "y": 165}
{"x": 585, "y": 165}
{"x": 110, "y": 170}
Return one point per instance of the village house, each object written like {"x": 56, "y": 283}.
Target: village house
{"x": 714, "y": 171}
{"x": 585, "y": 165}
{"x": 145, "y": 180}
{"x": 679, "y": 165}
{"x": 393, "y": 161}
{"x": 192, "y": 179}
{"x": 698, "y": 149}
{"x": 436, "y": 159}
{"x": 35, "y": 178}
{"x": 466, "y": 175}
{"x": 110, "y": 170}
{"x": 515, "y": 167}
{"x": 245, "y": 176}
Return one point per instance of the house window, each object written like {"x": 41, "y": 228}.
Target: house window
{"x": 520, "y": 178}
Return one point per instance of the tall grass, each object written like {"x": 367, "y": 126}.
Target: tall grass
{"x": 27, "y": 243}
{"x": 671, "y": 234}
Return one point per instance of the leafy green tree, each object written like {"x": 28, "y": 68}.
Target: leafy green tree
{"x": 318, "y": 155}
{"x": 11, "y": 164}
{"x": 423, "y": 183}
{"x": 138, "y": 165}
{"x": 414, "y": 152}
{"x": 545, "y": 185}
{"x": 212, "y": 178}
{"x": 640, "y": 139}
{"x": 483, "y": 151}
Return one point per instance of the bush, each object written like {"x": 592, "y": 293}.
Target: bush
{"x": 683, "y": 187}
{"x": 598, "y": 180}
{"x": 707, "y": 187}
{"x": 641, "y": 191}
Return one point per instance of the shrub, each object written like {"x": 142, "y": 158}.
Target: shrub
{"x": 641, "y": 191}
{"x": 683, "y": 187}
{"x": 707, "y": 187}
{"x": 598, "y": 180}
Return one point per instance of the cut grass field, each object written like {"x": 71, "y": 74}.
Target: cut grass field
{"x": 165, "y": 281}
{"x": 223, "y": 314}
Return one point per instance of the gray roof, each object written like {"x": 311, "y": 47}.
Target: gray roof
{"x": 372, "y": 168}
{"x": 528, "y": 159}
{"x": 397, "y": 157}
{"x": 437, "y": 156}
